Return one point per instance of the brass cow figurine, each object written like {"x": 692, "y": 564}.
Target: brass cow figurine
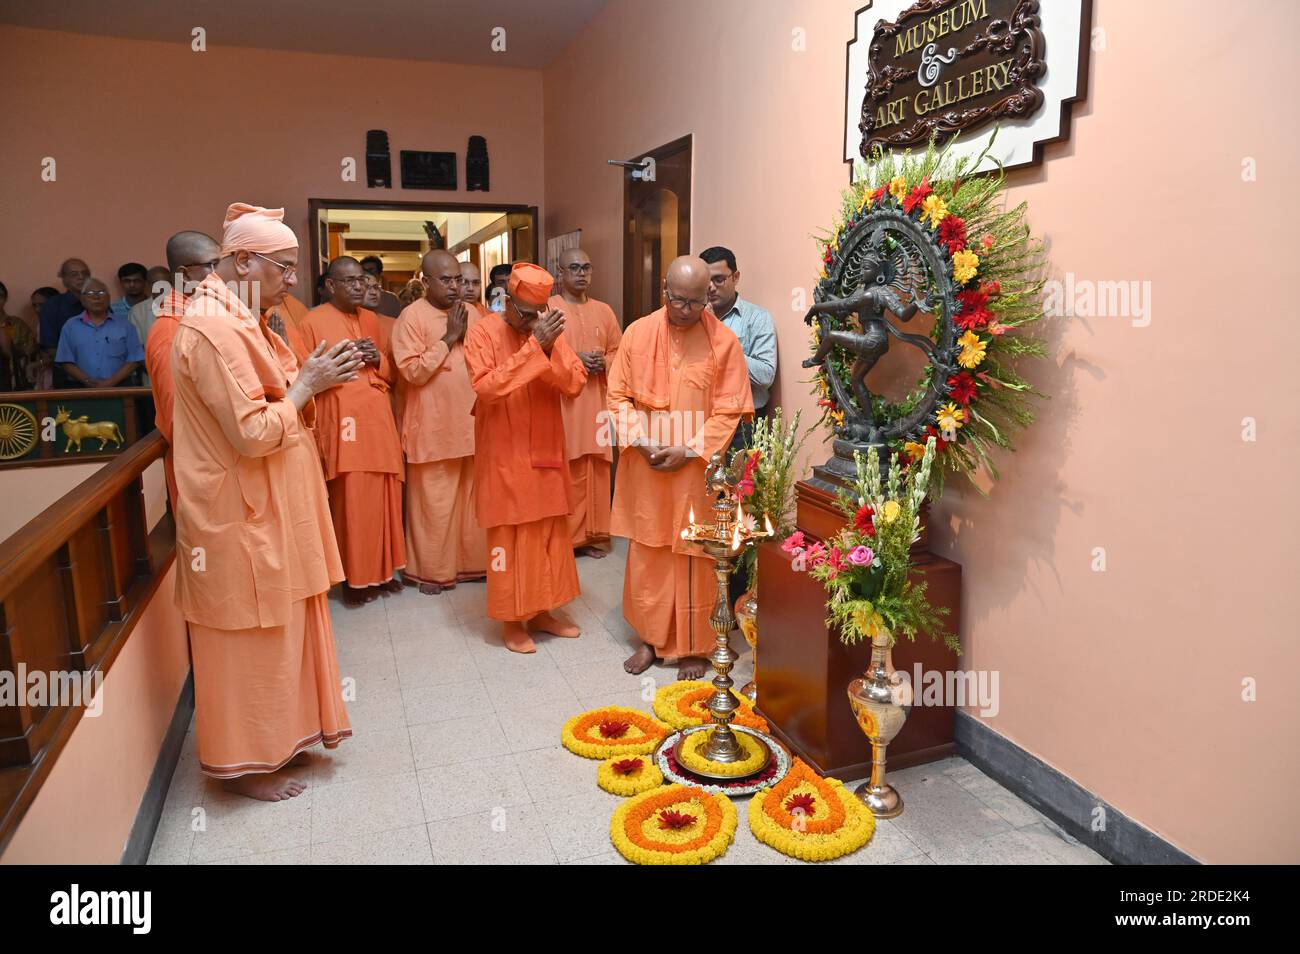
{"x": 76, "y": 431}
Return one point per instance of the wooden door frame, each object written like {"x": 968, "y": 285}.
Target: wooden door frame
{"x": 684, "y": 213}
{"x": 315, "y": 205}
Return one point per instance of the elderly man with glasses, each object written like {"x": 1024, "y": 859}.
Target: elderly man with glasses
{"x": 358, "y": 440}
{"x": 677, "y": 390}
{"x": 594, "y": 333}
{"x": 98, "y": 349}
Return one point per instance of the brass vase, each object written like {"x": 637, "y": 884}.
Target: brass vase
{"x": 880, "y": 716}
{"x": 747, "y": 621}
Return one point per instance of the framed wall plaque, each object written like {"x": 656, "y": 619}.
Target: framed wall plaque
{"x": 957, "y": 68}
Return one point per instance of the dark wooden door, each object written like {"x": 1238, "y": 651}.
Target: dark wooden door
{"x": 657, "y": 226}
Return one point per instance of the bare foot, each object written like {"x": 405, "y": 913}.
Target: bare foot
{"x": 517, "y": 638}
{"x": 692, "y": 667}
{"x": 555, "y": 625}
{"x": 640, "y": 661}
{"x": 596, "y": 553}
{"x": 392, "y": 586}
{"x": 355, "y": 597}
{"x": 265, "y": 788}
{"x": 430, "y": 589}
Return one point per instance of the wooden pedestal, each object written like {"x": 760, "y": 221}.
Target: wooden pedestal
{"x": 803, "y": 670}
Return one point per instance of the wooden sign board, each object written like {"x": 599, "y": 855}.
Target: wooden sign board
{"x": 955, "y": 68}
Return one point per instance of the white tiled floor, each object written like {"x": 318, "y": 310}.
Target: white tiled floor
{"x": 457, "y": 758}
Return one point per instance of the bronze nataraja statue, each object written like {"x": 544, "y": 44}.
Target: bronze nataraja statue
{"x": 869, "y": 300}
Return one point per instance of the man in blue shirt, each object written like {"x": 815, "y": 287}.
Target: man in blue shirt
{"x": 134, "y": 279}
{"x": 58, "y": 309}
{"x": 98, "y": 349}
{"x": 752, "y": 325}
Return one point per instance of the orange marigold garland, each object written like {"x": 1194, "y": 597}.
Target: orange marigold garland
{"x": 809, "y": 817}
{"x": 629, "y": 776}
{"x": 676, "y": 825}
{"x": 685, "y": 703}
{"x": 612, "y": 731}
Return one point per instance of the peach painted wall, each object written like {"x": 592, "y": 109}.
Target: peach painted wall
{"x": 1130, "y": 680}
{"x": 85, "y": 809}
{"x": 146, "y": 143}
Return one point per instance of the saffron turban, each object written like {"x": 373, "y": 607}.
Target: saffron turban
{"x": 250, "y": 228}
{"x": 530, "y": 283}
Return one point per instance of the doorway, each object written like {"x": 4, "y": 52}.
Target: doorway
{"x": 399, "y": 234}
{"x": 657, "y": 217}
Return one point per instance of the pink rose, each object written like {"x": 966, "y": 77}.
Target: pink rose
{"x": 794, "y": 542}
{"x": 861, "y": 556}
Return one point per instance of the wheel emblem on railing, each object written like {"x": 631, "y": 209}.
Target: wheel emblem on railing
{"x": 17, "y": 431}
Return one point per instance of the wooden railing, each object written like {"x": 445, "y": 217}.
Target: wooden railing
{"x": 73, "y": 583}
{"x": 29, "y": 437}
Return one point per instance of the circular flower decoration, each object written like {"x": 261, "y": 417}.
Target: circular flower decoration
{"x": 610, "y": 731}
{"x": 629, "y": 776}
{"x": 685, "y": 703}
{"x": 677, "y": 825}
{"x": 692, "y": 758}
{"x": 809, "y": 817}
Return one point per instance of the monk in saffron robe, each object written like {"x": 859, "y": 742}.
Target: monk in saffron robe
{"x": 255, "y": 545}
{"x": 358, "y": 441}
{"x": 521, "y": 365}
{"x": 471, "y": 289}
{"x": 444, "y": 543}
{"x": 191, "y": 257}
{"x": 677, "y": 390}
{"x": 592, "y": 331}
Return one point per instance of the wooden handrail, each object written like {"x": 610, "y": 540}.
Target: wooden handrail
{"x": 38, "y": 540}
{"x": 74, "y": 394}
{"x": 73, "y": 584}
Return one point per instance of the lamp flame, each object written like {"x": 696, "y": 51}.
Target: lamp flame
{"x": 767, "y": 525}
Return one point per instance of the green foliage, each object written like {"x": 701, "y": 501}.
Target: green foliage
{"x": 777, "y": 442}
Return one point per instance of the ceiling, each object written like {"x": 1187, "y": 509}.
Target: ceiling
{"x": 437, "y": 30}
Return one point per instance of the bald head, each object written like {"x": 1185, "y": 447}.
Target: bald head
{"x": 471, "y": 283}
{"x": 345, "y": 283}
{"x": 575, "y": 274}
{"x": 687, "y": 281}
{"x": 441, "y": 278}
{"x": 191, "y": 248}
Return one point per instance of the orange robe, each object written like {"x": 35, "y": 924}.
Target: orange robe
{"x": 361, "y": 453}
{"x": 672, "y": 386}
{"x": 158, "y": 365}
{"x": 523, "y": 480}
{"x": 255, "y": 547}
{"x": 444, "y": 543}
{"x": 590, "y": 326}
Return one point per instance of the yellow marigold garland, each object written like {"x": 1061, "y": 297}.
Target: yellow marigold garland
{"x": 689, "y": 756}
{"x": 684, "y": 704}
{"x": 618, "y": 776}
{"x": 676, "y": 825}
{"x": 809, "y": 817}
{"x": 612, "y": 731}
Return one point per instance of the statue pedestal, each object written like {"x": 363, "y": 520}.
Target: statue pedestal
{"x": 804, "y": 670}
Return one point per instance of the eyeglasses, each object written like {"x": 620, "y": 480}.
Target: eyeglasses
{"x": 690, "y": 304}
{"x": 94, "y": 292}
{"x": 288, "y": 270}
{"x": 206, "y": 266}
{"x": 576, "y": 269}
{"x": 351, "y": 280}
{"x": 720, "y": 280}
{"x": 449, "y": 280}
